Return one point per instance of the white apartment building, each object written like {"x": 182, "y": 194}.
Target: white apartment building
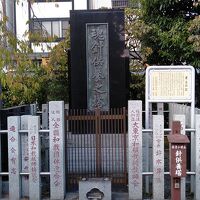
{"x": 1, "y": 10}
{"x": 51, "y": 17}
{"x": 48, "y": 16}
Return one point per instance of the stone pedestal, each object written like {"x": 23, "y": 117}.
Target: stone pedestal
{"x": 95, "y": 188}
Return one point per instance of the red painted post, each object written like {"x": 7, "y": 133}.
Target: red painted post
{"x": 175, "y": 188}
{"x": 177, "y": 165}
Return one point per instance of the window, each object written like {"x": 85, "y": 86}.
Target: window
{"x": 65, "y": 26}
{"x": 50, "y": 27}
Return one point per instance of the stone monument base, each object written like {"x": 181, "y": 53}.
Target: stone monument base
{"x": 95, "y": 188}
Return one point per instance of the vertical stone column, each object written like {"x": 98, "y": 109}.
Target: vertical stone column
{"x": 45, "y": 122}
{"x": 181, "y": 118}
{"x": 158, "y": 157}
{"x": 197, "y": 178}
{"x": 171, "y": 109}
{"x": 34, "y": 157}
{"x": 14, "y": 157}
{"x": 57, "y": 149}
{"x": 160, "y": 108}
{"x": 45, "y": 136}
{"x": 135, "y": 149}
{"x": 147, "y": 149}
{"x": 25, "y": 155}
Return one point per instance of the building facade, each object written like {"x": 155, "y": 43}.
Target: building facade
{"x": 1, "y": 10}
{"x": 47, "y": 17}
{"x": 7, "y": 8}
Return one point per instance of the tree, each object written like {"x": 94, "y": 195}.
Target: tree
{"x": 17, "y": 71}
{"x": 168, "y": 38}
{"x": 24, "y": 80}
{"x": 173, "y": 34}
{"x": 135, "y": 29}
{"x": 174, "y": 37}
{"x": 56, "y": 86}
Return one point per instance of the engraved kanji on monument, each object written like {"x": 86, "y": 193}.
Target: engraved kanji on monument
{"x": 14, "y": 157}
{"x": 34, "y": 157}
{"x": 97, "y": 66}
{"x": 135, "y": 149}
{"x": 158, "y": 157}
{"x": 57, "y": 149}
{"x": 25, "y": 155}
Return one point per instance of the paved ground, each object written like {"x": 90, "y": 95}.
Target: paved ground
{"x": 74, "y": 196}
{"x": 115, "y": 196}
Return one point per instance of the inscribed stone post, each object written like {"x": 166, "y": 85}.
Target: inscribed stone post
{"x": 57, "y": 149}
{"x": 14, "y": 157}
{"x": 135, "y": 149}
{"x": 45, "y": 137}
{"x": 25, "y": 155}
{"x": 33, "y": 109}
{"x": 197, "y": 179}
{"x": 34, "y": 157}
{"x": 160, "y": 108}
{"x": 171, "y": 110}
{"x": 158, "y": 157}
{"x": 45, "y": 116}
{"x": 181, "y": 118}
{"x": 147, "y": 149}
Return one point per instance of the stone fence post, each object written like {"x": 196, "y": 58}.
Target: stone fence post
{"x": 135, "y": 150}
{"x": 57, "y": 149}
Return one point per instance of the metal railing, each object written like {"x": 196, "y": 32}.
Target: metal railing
{"x": 96, "y": 145}
{"x": 120, "y": 3}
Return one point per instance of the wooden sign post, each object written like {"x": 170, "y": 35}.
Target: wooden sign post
{"x": 177, "y": 145}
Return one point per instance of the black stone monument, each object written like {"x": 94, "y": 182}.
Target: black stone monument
{"x": 99, "y": 69}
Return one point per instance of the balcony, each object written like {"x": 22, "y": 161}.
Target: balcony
{"x": 119, "y": 3}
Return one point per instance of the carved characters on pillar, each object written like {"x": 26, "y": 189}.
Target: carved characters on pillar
{"x": 178, "y": 160}
{"x": 97, "y": 66}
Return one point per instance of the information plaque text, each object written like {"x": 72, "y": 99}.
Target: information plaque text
{"x": 170, "y": 84}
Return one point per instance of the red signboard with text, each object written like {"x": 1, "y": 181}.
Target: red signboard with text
{"x": 178, "y": 160}
{"x": 178, "y": 148}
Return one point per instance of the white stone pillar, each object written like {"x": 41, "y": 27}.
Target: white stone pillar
{"x": 25, "y": 155}
{"x": 45, "y": 111}
{"x": 14, "y": 157}
{"x": 57, "y": 149}
{"x": 135, "y": 149}
{"x": 45, "y": 136}
{"x": 158, "y": 157}
{"x": 34, "y": 157}
{"x": 197, "y": 177}
{"x": 171, "y": 113}
{"x": 160, "y": 108}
